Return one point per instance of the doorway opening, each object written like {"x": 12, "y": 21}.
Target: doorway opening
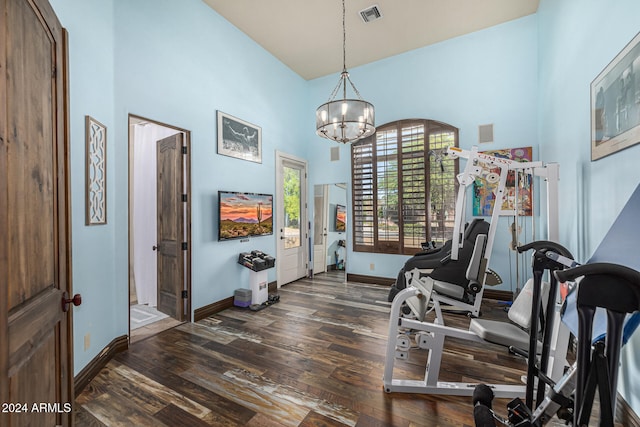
{"x": 159, "y": 227}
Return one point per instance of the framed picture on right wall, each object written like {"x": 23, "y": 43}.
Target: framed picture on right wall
{"x": 615, "y": 103}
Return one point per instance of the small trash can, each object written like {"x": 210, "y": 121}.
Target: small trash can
{"x": 242, "y": 297}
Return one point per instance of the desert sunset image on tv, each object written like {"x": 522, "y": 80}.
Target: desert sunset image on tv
{"x": 341, "y": 218}
{"x": 245, "y": 215}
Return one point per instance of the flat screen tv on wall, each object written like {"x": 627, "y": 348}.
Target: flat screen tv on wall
{"x": 243, "y": 215}
{"x": 341, "y": 218}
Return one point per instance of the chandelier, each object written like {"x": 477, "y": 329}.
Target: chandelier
{"x": 345, "y": 120}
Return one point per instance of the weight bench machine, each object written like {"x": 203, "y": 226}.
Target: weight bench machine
{"x": 440, "y": 292}
{"x": 451, "y": 286}
{"x": 431, "y": 336}
{"x": 432, "y": 259}
{"x": 448, "y": 264}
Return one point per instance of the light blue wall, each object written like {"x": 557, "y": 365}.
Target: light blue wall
{"x": 175, "y": 62}
{"x": 91, "y": 92}
{"x": 178, "y": 62}
{"x": 577, "y": 40}
{"x": 485, "y": 77}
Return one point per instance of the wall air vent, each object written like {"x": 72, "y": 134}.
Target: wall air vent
{"x": 371, "y": 13}
{"x": 335, "y": 154}
{"x": 485, "y": 134}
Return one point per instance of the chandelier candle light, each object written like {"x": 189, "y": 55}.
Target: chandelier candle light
{"x": 345, "y": 120}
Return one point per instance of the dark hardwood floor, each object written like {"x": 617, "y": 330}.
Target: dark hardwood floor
{"x": 314, "y": 359}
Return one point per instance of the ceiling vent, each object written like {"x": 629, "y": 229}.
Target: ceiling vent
{"x": 371, "y": 13}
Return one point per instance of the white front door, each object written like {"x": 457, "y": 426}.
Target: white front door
{"x": 320, "y": 207}
{"x": 291, "y": 218}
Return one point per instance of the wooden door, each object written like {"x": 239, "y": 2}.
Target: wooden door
{"x": 36, "y": 351}
{"x": 170, "y": 186}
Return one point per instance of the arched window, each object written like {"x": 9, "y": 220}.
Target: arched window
{"x": 403, "y": 190}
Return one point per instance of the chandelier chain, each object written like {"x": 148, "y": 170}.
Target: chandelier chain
{"x": 344, "y": 76}
{"x": 334, "y": 93}
{"x": 344, "y": 40}
{"x": 345, "y": 120}
{"x": 353, "y": 87}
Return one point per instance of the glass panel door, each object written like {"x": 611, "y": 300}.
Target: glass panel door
{"x": 292, "y": 226}
{"x": 292, "y": 204}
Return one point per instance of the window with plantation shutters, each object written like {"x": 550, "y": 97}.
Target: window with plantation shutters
{"x": 403, "y": 189}
{"x": 363, "y": 211}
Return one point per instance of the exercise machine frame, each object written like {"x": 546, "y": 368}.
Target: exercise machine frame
{"x": 431, "y": 336}
{"x": 597, "y": 363}
{"x": 474, "y": 169}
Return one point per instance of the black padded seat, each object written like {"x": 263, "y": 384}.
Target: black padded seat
{"x": 437, "y": 265}
{"x": 451, "y": 290}
{"x": 448, "y": 289}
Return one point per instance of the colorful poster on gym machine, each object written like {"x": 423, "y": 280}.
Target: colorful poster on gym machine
{"x": 484, "y": 192}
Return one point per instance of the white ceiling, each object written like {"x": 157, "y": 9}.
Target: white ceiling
{"x": 306, "y": 35}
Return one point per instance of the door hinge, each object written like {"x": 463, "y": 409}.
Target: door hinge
{"x": 184, "y": 149}
{"x": 184, "y": 197}
{"x": 185, "y": 295}
{"x": 54, "y": 72}
{"x": 185, "y": 246}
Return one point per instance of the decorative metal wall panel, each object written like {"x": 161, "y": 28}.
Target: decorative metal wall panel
{"x": 96, "y": 172}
